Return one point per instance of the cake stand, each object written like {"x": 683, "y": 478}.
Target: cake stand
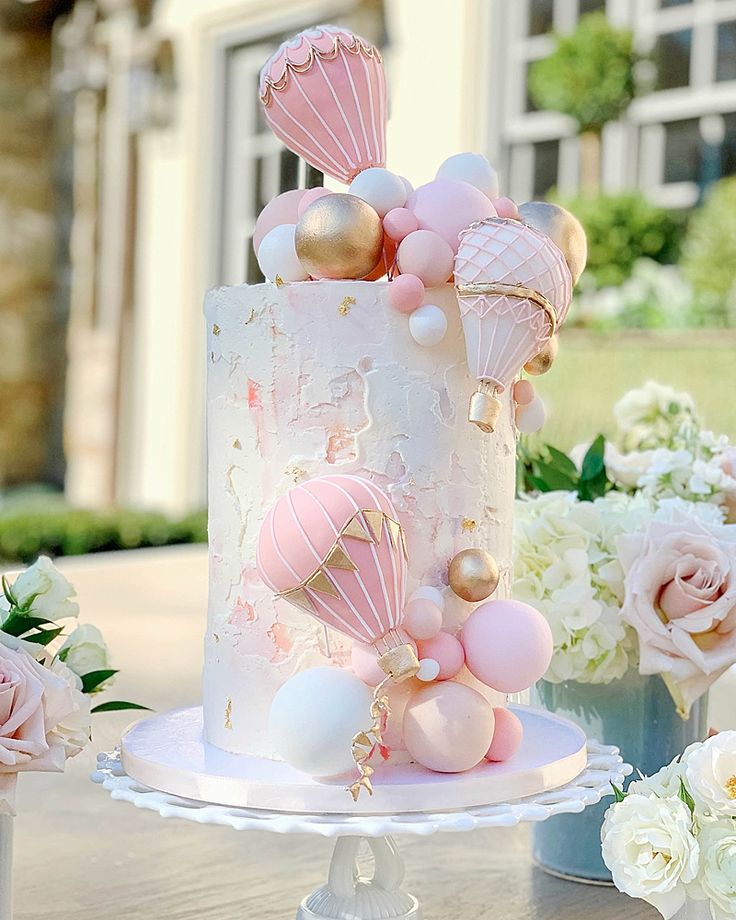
{"x": 149, "y": 748}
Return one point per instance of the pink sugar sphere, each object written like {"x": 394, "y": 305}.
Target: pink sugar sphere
{"x": 447, "y": 206}
{"x": 310, "y": 195}
{"x": 448, "y": 727}
{"x": 446, "y": 650}
{"x": 524, "y": 392}
{"x": 427, "y": 255}
{"x": 508, "y": 645}
{"x": 422, "y": 620}
{"x": 406, "y": 293}
{"x": 507, "y": 736}
{"x": 399, "y": 223}
{"x": 506, "y": 207}
{"x": 283, "y": 209}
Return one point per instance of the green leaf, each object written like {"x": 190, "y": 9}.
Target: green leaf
{"x": 92, "y": 680}
{"x": 539, "y": 484}
{"x": 555, "y": 479}
{"x": 118, "y": 706}
{"x": 8, "y": 592}
{"x": 64, "y": 654}
{"x": 44, "y": 636}
{"x": 686, "y": 797}
{"x": 594, "y": 460}
{"x": 562, "y": 462}
{"x": 618, "y": 794}
{"x": 19, "y": 623}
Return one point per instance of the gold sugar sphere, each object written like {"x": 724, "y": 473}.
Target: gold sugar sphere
{"x": 339, "y": 236}
{"x": 563, "y": 228}
{"x": 542, "y": 362}
{"x": 473, "y": 575}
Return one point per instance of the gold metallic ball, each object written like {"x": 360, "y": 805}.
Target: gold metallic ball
{"x": 339, "y": 236}
{"x": 542, "y": 362}
{"x": 563, "y": 228}
{"x": 473, "y": 575}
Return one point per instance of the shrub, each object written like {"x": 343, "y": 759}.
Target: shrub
{"x": 622, "y": 229}
{"x": 26, "y": 531}
{"x": 709, "y": 250}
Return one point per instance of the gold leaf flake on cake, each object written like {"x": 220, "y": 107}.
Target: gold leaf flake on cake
{"x": 345, "y": 306}
{"x": 251, "y": 316}
{"x": 468, "y": 525}
{"x": 237, "y": 445}
{"x": 278, "y": 281}
{"x": 229, "y": 714}
{"x": 295, "y": 473}
{"x": 215, "y": 329}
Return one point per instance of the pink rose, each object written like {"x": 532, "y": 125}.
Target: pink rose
{"x": 680, "y": 597}
{"x": 35, "y": 706}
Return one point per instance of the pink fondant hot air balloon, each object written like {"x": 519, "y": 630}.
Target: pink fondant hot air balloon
{"x": 514, "y": 289}
{"x": 324, "y": 95}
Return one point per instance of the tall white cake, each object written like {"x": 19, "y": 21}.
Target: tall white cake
{"x": 312, "y": 378}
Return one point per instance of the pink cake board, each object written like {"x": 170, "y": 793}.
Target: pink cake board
{"x": 168, "y": 752}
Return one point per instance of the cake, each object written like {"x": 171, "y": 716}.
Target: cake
{"x": 363, "y": 405}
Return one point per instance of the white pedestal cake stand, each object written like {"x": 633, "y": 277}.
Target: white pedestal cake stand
{"x": 556, "y": 772}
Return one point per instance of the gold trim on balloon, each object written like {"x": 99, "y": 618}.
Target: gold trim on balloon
{"x": 365, "y": 525}
{"x": 356, "y": 46}
{"x": 510, "y": 290}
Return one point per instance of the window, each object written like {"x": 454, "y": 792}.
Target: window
{"x": 728, "y": 157}
{"x": 672, "y": 57}
{"x": 590, "y": 6}
{"x": 546, "y": 167}
{"x": 541, "y": 16}
{"x": 528, "y": 101}
{"x": 682, "y": 151}
{"x": 726, "y": 51}
{"x": 665, "y": 3}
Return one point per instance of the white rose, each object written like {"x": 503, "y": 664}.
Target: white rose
{"x": 650, "y": 849}
{"x": 85, "y": 651}
{"x": 75, "y": 730}
{"x": 665, "y": 783}
{"x": 711, "y": 775}
{"x": 47, "y": 589}
{"x": 717, "y": 879}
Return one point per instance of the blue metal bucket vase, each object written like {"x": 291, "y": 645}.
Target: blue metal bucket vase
{"x": 638, "y": 715}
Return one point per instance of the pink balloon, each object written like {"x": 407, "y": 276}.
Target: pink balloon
{"x": 447, "y": 206}
{"x": 310, "y": 195}
{"x": 427, "y": 255}
{"x": 324, "y": 96}
{"x": 524, "y": 392}
{"x": 303, "y": 545}
{"x": 447, "y": 651}
{"x": 422, "y": 620}
{"x": 448, "y": 727}
{"x": 400, "y": 223}
{"x": 506, "y": 207}
{"x": 283, "y": 209}
{"x": 406, "y": 293}
{"x": 507, "y": 737}
{"x": 508, "y": 645}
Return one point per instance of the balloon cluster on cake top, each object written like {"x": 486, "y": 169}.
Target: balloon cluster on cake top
{"x": 324, "y": 96}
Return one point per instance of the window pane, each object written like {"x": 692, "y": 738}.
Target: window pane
{"x": 728, "y": 159}
{"x": 682, "y": 151}
{"x": 541, "y": 15}
{"x": 672, "y": 57}
{"x": 546, "y": 163}
{"x": 590, "y": 6}
{"x": 726, "y": 59}
{"x": 665, "y": 3}
{"x": 528, "y": 102}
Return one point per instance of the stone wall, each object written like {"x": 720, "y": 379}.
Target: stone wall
{"x": 31, "y": 371}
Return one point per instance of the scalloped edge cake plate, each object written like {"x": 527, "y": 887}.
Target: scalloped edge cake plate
{"x": 168, "y": 752}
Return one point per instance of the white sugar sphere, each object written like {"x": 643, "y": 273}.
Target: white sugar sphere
{"x": 380, "y": 188}
{"x": 530, "y": 419}
{"x": 472, "y": 168}
{"x": 429, "y": 669}
{"x": 428, "y": 325}
{"x": 314, "y": 717}
{"x": 277, "y": 255}
{"x": 429, "y": 593}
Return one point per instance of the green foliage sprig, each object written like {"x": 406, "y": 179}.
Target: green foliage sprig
{"x": 548, "y": 469}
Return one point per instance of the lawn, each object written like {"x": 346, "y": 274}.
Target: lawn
{"x": 592, "y": 370}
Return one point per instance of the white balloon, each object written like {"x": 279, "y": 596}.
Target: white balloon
{"x": 407, "y": 185}
{"x": 428, "y": 325}
{"x": 472, "y": 168}
{"x": 429, "y": 593}
{"x": 381, "y": 189}
{"x": 277, "y": 255}
{"x": 314, "y": 717}
{"x": 429, "y": 669}
{"x": 531, "y": 418}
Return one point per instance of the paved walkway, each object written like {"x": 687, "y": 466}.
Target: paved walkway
{"x": 80, "y": 855}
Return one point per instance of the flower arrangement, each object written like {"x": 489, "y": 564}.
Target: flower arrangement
{"x": 47, "y": 678}
{"x": 627, "y": 551}
{"x": 672, "y": 837}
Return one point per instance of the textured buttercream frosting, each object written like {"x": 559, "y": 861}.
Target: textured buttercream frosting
{"x": 324, "y": 377}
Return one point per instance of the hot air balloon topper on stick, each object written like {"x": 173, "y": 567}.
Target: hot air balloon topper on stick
{"x": 333, "y": 546}
{"x": 514, "y": 289}
{"x": 324, "y": 95}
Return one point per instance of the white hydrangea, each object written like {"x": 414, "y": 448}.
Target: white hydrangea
{"x": 653, "y": 416}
